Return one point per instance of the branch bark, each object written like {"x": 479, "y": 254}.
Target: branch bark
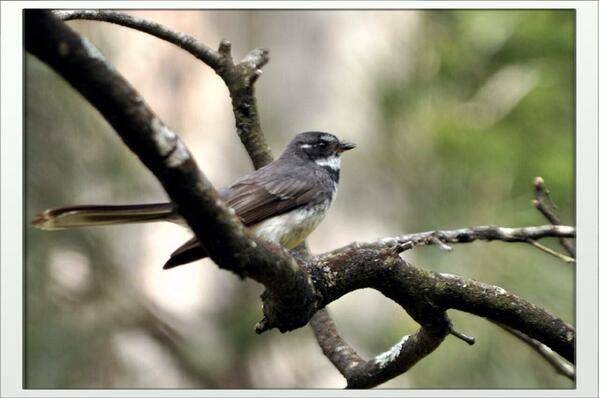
{"x": 238, "y": 77}
{"x": 466, "y": 235}
{"x": 425, "y": 294}
{"x": 385, "y": 366}
{"x": 295, "y": 287}
{"x": 229, "y": 244}
{"x": 360, "y": 373}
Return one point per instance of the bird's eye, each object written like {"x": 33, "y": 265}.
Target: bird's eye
{"x": 322, "y": 144}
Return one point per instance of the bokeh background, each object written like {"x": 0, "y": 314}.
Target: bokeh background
{"x": 454, "y": 114}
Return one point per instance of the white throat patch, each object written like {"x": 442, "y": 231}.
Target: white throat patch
{"x": 333, "y": 161}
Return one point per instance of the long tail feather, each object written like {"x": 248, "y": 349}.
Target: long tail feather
{"x": 92, "y": 215}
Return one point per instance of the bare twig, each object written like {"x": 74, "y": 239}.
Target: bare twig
{"x": 465, "y": 235}
{"x": 468, "y": 339}
{"x": 440, "y": 244}
{"x": 561, "y": 366}
{"x": 548, "y": 250}
{"x": 239, "y": 77}
{"x": 186, "y": 42}
{"x": 541, "y": 197}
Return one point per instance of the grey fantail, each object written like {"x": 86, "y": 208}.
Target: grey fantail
{"x": 282, "y": 202}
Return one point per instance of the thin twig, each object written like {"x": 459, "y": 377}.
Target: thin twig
{"x": 440, "y": 244}
{"x": 466, "y": 235}
{"x": 561, "y": 366}
{"x": 539, "y": 202}
{"x": 548, "y": 250}
{"x": 468, "y": 339}
{"x": 238, "y": 77}
{"x": 182, "y": 40}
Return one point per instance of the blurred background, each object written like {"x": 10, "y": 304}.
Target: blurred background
{"x": 454, "y": 114}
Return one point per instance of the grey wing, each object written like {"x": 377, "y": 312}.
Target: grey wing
{"x": 264, "y": 195}
{"x": 255, "y": 197}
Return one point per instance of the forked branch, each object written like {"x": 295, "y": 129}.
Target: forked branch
{"x": 545, "y": 205}
{"x": 239, "y": 77}
{"x": 295, "y": 287}
{"x": 229, "y": 244}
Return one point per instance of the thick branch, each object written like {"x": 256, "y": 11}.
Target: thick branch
{"x": 422, "y": 293}
{"x": 341, "y": 354}
{"x": 223, "y": 236}
{"x": 354, "y": 368}
{"x": 397, "y": 360}
{"x": 391, "y": 363}
{"x": 239, "y": 78}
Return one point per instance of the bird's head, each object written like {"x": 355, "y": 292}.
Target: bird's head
{"x": 320, "y": 147}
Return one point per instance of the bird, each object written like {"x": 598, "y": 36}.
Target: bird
{"x": 282, "y": 202}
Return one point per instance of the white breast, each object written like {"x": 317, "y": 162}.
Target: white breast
{"x": 292, "y": 228}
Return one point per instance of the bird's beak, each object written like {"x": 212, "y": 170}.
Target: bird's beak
{"x": 345, "y": 146}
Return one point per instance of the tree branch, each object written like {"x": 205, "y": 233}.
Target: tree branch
{"x": 341, "y": 354}
{"x": 465, "y": 338}
{"x": 295, "y": 288}
{"x": 229, "y": 244}
{"x": 385, "y": 366}
{"x": 540, "y": 202}
{"x": 402, "y": 243}
{"x": 558, "y": 364}
{"x": 424, "y": 295}
{"x": 186, "y": 42}
{"x": 239, "y": 78}
{"x": 552, "y": 252}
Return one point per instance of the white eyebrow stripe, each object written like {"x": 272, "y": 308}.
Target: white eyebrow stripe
{"x": 307, "y": 146}
{"x": 334, "y": 162}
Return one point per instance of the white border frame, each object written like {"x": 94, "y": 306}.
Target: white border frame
{"x": 586, "y": 195}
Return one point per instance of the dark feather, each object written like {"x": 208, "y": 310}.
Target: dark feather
{"x": 191, "y": 250}
{"x": 265, "y": 194}
{"x": 86, "y": 215}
